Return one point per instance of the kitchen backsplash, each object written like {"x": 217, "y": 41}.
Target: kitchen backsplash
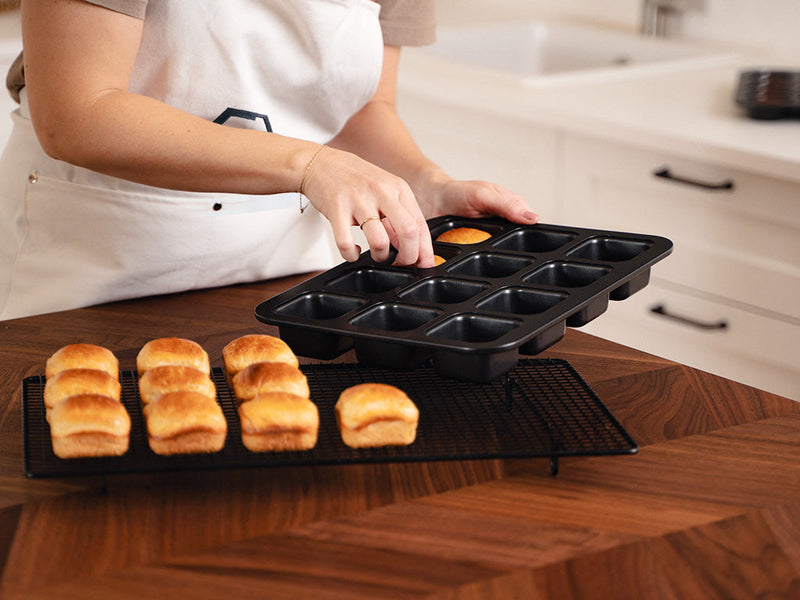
{"x": 765, "y": 24}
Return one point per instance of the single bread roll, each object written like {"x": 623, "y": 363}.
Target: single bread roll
{"x": 278, "y": 421}
{"x": 89, "y": 425}
{"x": 376, "y": 414}
{"x": 437, "y": 260}
{"x": 72, "y": 382}
{"x": 464, "y": 235}
{"x": 250, "y": 349}
{"x": 172, "y": 351}
{"x": 185, "y": 422}
{"x": 269, "y": 377}
{"x": 82, "y": 356}
{"x": 158, "y": 381}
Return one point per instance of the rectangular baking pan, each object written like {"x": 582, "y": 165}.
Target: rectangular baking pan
{"x": 473, "y": 315}
{"x": 543, "y": 408}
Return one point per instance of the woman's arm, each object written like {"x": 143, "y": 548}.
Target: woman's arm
{"x": 377, "y": 134}
{"x": 78, "y": 62}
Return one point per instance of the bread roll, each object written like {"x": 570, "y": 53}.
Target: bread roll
{"x": 464, "y": 235}
{"x": 278, "y": 421}
{"x": 269, "y": 377}
{"x": 158, "y": 381}
{"x": 82, "y": 356}
{"x": 71, "y": 382}
{"x": 437, "y": 260}
{"x": 89, "y": 425}
{"x": 172, "y": 351}
{"x": 250, "y": 349}
{"x": 185, "y": 422}
{"x": 376, "y": 414}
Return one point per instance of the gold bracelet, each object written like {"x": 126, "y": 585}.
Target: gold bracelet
{"x": 300, "y": 190}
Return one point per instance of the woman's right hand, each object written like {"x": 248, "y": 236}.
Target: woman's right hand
{"x": 349, "y": 191}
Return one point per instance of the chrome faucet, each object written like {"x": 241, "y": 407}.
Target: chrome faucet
{"x": 661, "y": 18}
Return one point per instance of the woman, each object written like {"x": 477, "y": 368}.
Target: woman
{"x": 168, "y": 145}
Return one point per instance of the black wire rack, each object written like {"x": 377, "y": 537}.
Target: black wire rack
{"x": 542, "y": 408}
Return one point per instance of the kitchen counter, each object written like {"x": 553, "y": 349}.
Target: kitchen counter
{"x": 690, "y": 111}
{"x": 708, "y": 508}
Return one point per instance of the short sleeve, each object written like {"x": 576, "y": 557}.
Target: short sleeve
{"x": 132, "y": 8}
{"x": 15, "y": 78}
{"x": 408, "y": 22}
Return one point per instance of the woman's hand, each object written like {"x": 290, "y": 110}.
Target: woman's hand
{"x": 378, "y": 134}
{"x": 440, "y": 195}
{"x": 350, "y": 191}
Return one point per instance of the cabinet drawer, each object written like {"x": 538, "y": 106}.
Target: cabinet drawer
{"x": 740, "y": 242}
{"x": 750, "y": 347}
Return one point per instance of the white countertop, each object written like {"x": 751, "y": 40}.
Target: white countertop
{"x": 691, "y": 112}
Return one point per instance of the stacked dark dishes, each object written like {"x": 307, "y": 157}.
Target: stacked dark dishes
{"x": 769, "y": 94}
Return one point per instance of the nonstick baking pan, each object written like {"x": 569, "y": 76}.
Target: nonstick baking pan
{"x": 543, "y": 408}
{"x": 473, "y": 315}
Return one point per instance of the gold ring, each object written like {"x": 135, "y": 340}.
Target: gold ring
{"x": 365, "y": 221}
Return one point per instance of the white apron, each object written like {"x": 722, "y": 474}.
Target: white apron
{"x": 70, "y": 237}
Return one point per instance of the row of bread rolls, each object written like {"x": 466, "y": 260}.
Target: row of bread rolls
{"x": 82, "y": 397}
{"x": 179, "y": 399}
{"x": 272, "y": 395}
{"x": 276, "y": 412}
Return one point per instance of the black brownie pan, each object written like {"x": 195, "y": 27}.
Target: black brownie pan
{"x": 474, "y": 314}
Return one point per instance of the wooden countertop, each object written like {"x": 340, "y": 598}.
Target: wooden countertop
{"x": 708, "y": 508}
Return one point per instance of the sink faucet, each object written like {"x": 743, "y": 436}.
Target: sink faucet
{"x": 661, "y": 18}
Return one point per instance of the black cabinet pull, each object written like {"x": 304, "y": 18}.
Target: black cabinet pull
{"x": 665, "y": 173}
{"x": 660, "y": 309}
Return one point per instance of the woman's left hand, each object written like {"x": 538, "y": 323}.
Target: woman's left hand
{"x": 439, "y": 195}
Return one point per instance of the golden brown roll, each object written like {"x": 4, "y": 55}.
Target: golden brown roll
{"x": 172, "y": 351}
{"x": 263, "y": 377}
{"x": 82, "y": 356}
{"x": 437, "y": 260}
{"x": 464, "y": 235}
{"x": 376, "y": 414}
{"x": 158, "y": 381}
{"x": 185, "y": 422}
{"x": 71, "y": 382}
{"x": 89, "y": 425}
{"x": 250, "y": 349}
{"x": 279, "y": 421}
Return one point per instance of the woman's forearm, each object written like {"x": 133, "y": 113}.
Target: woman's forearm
{"x": 78, "y": 61}
{"x": 140, "y": 139}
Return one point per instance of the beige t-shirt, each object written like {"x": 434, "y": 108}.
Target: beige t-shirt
{"x": 403, "y": 23}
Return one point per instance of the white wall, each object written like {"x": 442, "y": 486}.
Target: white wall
{"x": 767, "y": 24}
{"x": 771, "y": 24}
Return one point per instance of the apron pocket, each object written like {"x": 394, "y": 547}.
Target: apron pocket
{"x": 86, "y": 245}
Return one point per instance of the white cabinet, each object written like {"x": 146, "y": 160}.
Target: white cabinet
{"x": 736, "y": 231}
{"x": 736, "y": 259}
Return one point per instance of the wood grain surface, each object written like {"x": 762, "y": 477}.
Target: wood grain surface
{"x": 708, "y": 508}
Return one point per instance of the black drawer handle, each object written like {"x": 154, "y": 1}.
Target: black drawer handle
{"x": 665, "y": 173}
{"x": 660, "y": 309}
